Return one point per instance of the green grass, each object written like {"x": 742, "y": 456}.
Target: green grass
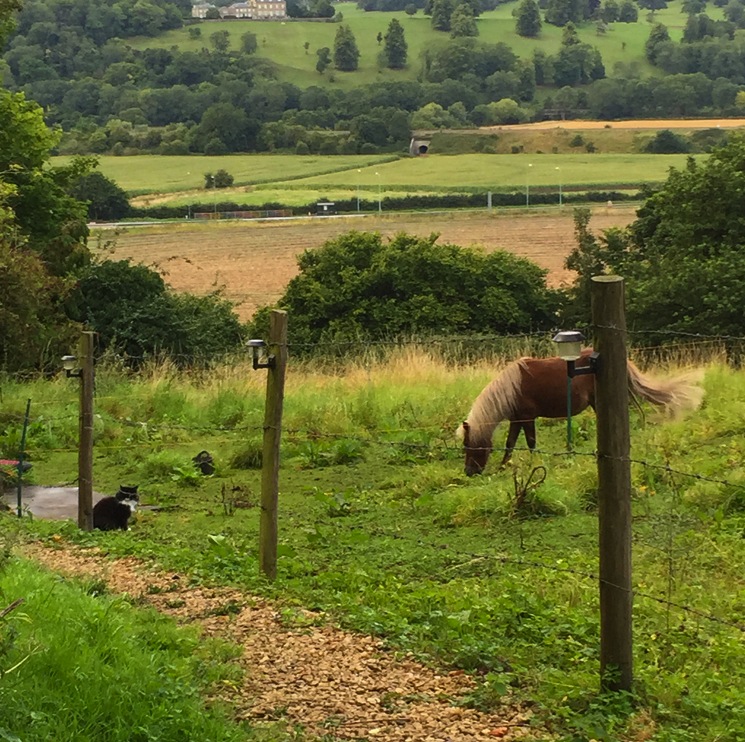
{"x": 89, "y": 667}
{"x": 282, "y": 43}
{"x": 337, "y": 177}
{"x": 380, "y": 528}
{"x": 163, "y": 174}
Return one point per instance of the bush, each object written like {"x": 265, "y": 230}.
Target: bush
{"x": 666, "y": 142}
{"x": 358, "y": 286}
{"x": 223, "y": 179}
{"x": 134, "y": 313}
{"x": 215, "y": 147}
{"x": 106, "y": 200}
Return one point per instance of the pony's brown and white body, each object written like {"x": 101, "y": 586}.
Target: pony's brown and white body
{"x": 537, "y": 387}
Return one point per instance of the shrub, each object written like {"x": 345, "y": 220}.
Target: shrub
{"x": 666, "y": 142}
{"x": 134, "y": 313}
{"x": 223, "y": 179}
{"x": 358, "y": 286}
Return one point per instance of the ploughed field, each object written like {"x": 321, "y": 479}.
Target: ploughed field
{"x": 253, "y": 261}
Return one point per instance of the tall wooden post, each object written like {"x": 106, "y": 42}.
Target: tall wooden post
{"x": 85, "y": 442}
{"x": 275, "y": 388}
{"x": 614, "y": 483}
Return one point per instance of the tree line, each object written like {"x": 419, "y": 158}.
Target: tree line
{"x": 110, "y": 98}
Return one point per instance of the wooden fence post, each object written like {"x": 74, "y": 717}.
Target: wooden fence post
{"x": 85, "y": 441}
{"x": 614, "y": 483}
{"x": 275, "y": 388}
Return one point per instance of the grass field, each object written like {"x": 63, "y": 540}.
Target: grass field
{"x": 162, "y": 174}
{"x": 296, "y": 179}
{"x": 283, "y": 43}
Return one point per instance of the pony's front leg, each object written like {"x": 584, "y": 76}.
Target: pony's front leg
{"x": 509, "y": 446}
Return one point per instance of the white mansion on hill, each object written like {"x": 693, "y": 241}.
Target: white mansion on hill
{"x": 255, "y": 9}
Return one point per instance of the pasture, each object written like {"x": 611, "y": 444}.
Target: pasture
{"x": 283, "y": 43}
{"x": 253, "y": 261}
{"x": 382, "y": 533}
{"x": 298, "y": 180}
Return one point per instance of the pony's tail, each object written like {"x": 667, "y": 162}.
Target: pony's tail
{"x": 680, "y": 393}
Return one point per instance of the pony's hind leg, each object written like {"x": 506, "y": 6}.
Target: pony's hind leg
{"x": 509, "y": 446}
{"x": 529, "y": 428}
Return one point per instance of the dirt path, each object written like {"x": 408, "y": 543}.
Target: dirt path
{"x": 254, "y": 261}
{"x": 331, "y": 681}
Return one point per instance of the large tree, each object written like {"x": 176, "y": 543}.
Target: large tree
{"x": 442, "y": 10}
{"x": 528, "y": 19}
{"x": 396, "y": 48}
{"x": 346, "y": 53}
{"x": 683, "y": 256}
{"x": 43, "y": 231}
{"x": 463, "y": 23}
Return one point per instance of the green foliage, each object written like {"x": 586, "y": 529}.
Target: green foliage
{"x": 324, "y": 59}
{"x": 32, "y": 316}
{"x": 442, "y": 11}
{"x": 682, "y": 257}
{"x": 395, "y": 48}
{"x": 346, "y": 53}
{"x": 360, "y": 286}
{"x": 249, "y": 42}
{"x": 658, "y": 36}
{"x": 134, "y": 314}
{"x": 528, "y": 19}
{"x": 666, "y": 142}
{"x": 52, "y": 222}
{"x": 68, "y": 634}
{"x": 106, "y": 200}
{"x": 463, "y": 23}
{"x": 167, "y": 467}
{"x": 223, "y": 179}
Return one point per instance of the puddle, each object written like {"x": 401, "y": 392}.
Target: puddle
{"x": 50, "y": 503}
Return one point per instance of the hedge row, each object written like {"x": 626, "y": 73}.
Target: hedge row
{"x": 402, "y": 203}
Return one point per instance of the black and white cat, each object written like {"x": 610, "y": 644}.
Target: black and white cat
{"x": 113, "y": 513}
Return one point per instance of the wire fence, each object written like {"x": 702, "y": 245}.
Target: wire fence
{"x": 436, "y": 439}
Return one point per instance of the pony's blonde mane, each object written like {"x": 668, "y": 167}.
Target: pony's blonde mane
{"x": 495, "y": 403}
{"x": 675, "y": 395}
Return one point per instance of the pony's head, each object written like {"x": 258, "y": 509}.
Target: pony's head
{"x": 476, "y": 451}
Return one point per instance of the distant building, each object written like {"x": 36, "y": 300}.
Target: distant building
{"x": 259, "y": 10}
{"x": 199, "y": 10}
{"x": 236, "y": 10}
{"x": 266, "y": 9}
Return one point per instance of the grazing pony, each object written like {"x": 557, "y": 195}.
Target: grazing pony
{"x": 537, "y": 387}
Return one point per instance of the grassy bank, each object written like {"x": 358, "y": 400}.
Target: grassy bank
{"x": 78, "y": 665}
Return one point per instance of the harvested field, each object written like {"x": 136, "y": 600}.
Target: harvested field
{"x": 253, "y": 261}
{"x": 578, "y": 125}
